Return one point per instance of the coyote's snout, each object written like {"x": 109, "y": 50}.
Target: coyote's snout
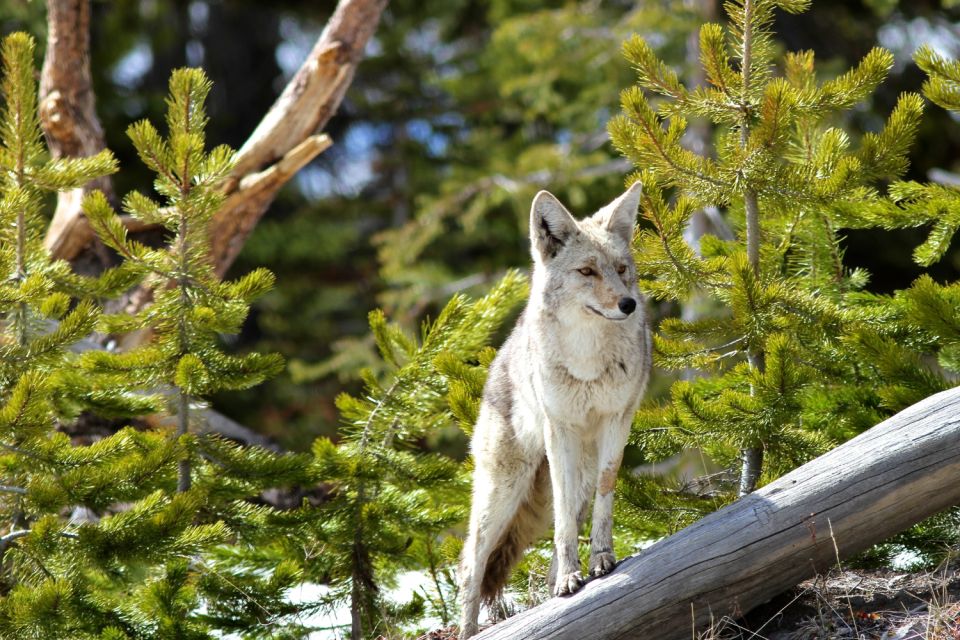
{"x": 558, "y": 403}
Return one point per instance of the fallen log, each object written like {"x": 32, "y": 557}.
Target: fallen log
{"x": 881, "y": 482}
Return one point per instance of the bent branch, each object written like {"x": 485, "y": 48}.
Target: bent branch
{"x": 284, "y": 141}
{"x": 286, "y": 136}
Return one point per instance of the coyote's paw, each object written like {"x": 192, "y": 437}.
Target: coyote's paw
{"x": 467, "y": 630}
{"x": 602, "y": 563}
{"x": 568, "y": 583}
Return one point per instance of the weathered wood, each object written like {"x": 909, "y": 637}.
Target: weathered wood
{"x": 894, "y": 475}
{"x": 313, "y": 94}
{"x": 286, "y": 138}
{"x": 254, "y": 193}
{"x": 284, "y": 141}
{"x": 304, "y": 107}
{"x": 68, "y": 117}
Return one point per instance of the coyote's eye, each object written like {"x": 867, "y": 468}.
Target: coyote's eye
{"x": 587, "y": 271}
{"x": 622, "y": 269}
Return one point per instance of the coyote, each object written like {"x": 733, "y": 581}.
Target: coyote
{"x": 558, "y": 403}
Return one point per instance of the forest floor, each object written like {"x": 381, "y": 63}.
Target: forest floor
{"x": 847, "y": 605}
{"x": 856, "y": 605}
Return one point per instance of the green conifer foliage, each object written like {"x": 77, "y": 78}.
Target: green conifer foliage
{"x": 191, "y": 306}
{"x": 921, "y": 323}
{"x": 171, "y": 540}
{"x": 242, "y": 589}
{"x": 39, "y": 322}
{"x": 915, "y": 351}
{"x": 923, "y": 320}
{"x": 60, "y": 574}
{"x": 781, "y": 385}
{"x": 390, "y": 504}
{"x": 101, "y": 543}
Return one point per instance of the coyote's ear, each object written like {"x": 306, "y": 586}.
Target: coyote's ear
{"x": 550, "y": 226}
{"x": 620, "y": 215}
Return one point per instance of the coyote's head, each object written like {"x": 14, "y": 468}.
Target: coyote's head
{"x": 585, "y": 268}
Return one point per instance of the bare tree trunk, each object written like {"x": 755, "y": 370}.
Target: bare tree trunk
{"x": 286, "y": 140}
{"x": 285, "y": 136}
{"x": 861, "y": 493}
{"x": 69, "y": 118}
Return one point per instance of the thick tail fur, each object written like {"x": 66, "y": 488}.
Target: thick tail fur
{"x": 531, "y": 519}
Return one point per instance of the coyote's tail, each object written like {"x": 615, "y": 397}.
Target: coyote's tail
{"x": 526, "y": 526}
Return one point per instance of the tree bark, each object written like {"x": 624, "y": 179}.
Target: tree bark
{"x": 69, "y": 118}
{"x": 284, "y": 141}
{"x": 249, "y": 200}
{"x": 285, "y": 136}
{"x": 859, "y": 494}
{"x": 751, "y": 457}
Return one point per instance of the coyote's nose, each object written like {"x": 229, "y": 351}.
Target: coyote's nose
{"x": 627, "y": 305}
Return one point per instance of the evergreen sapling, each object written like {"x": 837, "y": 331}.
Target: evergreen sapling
{"x": 191, "y": 306}
{"x": 782, "y": 386}
{"x": 390, "y": 502}
{"x": 67, "y": 572}
{"x": 135, "y": 559}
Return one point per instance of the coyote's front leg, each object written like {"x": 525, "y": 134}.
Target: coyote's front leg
{"x": 563, "y": 455}
{"x": 613, "y": 439}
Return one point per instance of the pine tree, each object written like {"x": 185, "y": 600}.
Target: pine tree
{"x": 191, "y": 307}
{"x": 100, "y": 544}
{"x": 782, "y": 382}
{"x": 241, "y": 588}
{"x": 923, "y": 319}
{"x": 916, "y": 350}
{"x": 391, "y": 502}
{"x": 169, "y": 537}
{"x": 57, "y": 570}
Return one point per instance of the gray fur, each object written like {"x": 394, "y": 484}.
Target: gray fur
{"x": 498, "y": 391}
{"x": 551, "y": 225}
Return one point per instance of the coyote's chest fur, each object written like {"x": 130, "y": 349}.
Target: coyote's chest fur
{"x": 558, "y": 403}
{"x": 590, "y": 373}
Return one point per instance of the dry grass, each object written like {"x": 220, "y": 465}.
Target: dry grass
{"x": 856, "y": 605}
